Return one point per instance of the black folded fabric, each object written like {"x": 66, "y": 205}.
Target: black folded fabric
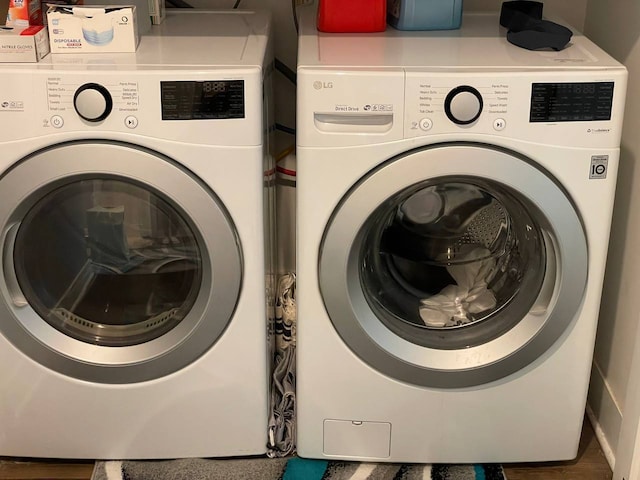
{"x": 527, "y": 29}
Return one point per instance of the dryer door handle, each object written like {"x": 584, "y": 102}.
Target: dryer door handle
{"x": 10, "y": 278}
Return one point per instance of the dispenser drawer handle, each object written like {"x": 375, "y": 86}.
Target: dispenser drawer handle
{"x": 353, "y": 122}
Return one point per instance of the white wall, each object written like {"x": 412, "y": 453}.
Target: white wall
{"x": 615, "y": 26}
{"x": 571, "y": 11}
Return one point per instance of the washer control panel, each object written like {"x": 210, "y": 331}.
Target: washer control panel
{"x": 571, "y": 101}
{"x": 547, "y": 107}
{"x": 437, "y": 104}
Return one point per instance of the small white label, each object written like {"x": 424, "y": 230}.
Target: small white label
{"x": 598, "y": 166}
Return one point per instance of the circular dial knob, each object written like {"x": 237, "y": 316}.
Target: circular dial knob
{"x": 463, "y": 105}
{"x": 93, "y": 102}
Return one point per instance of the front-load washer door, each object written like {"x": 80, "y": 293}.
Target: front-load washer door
{"x": 453, "y": 265}
{"x": 119, "y": 266}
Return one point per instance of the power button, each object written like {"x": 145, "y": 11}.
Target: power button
{"x": 426, "y": 124}
{"x": 57, "y": 121}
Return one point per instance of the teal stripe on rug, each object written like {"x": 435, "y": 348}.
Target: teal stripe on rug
{"x": 479, "y": 469}
{"x": 304, "y": 469}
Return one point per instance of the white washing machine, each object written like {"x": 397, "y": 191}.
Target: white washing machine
{"x": 454, "y": 205}
{"x": 135, "y": 215}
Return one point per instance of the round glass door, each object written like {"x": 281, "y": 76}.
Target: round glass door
{"x": 453, "y": 265}
{"x": 118, "y": 264}
{"x": 121, "y": 266}
{"x": 452, "y": 262}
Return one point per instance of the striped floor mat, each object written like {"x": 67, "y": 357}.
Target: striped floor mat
{"x": 287, "y": 469}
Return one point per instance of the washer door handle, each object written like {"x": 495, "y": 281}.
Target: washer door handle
{"x": 10, "y": 278}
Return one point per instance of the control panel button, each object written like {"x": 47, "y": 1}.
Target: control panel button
{"x": 463, "y": 105}
{"x": 93, "y": 102}
{"x": 131, "y": 122}
{"x": 426, "y": 124}
{"x": 499, "y": 124}
{"x": 56, "y": 121}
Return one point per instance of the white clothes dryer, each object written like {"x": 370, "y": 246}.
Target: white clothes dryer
{"x": 135, "y": 218}
{"x": 454, "y": 205}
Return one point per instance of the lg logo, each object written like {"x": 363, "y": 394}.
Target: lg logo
{"x": 318, "y": 85}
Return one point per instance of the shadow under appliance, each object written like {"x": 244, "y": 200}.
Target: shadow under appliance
{"x": 136, "y": 246}
{"x": 454, "y": 204}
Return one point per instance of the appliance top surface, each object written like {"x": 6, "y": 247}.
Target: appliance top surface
{"x": 479, "y": 44}
{"x": 187, "y": 38}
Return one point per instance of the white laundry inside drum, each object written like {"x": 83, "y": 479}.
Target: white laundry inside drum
{"x": 456, "y": 303}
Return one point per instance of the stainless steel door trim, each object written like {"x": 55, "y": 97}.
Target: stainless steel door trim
{"x": 42, "y": 172}
{"x": 399, "y": 358}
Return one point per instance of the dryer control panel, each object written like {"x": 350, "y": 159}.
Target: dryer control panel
{"x": 204, "y": 100}
{"x": 214, "y": 107}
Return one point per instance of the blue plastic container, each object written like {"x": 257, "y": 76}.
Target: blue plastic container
{"x": 424, "y": 14}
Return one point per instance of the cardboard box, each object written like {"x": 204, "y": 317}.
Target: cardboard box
{"x": 91, "y": 29}
{"x": 23, "y": 44}
{"x": 24, "y": 13}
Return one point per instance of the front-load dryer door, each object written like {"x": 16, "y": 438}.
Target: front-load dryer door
{"x": 453, "y": 265}
{"x": 119, "y": 266}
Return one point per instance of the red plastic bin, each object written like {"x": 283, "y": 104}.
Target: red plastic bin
{"x": 352, "y": 16}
